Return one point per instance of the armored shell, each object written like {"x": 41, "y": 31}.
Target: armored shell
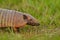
{"x": 11, "y": 18}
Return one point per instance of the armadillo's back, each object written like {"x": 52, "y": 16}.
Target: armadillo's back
{"x": 6, "y": 17}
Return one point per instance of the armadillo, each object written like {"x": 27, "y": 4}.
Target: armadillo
{"x": 16, "y": 19}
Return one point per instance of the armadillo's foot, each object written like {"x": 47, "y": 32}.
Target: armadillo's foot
{"x": 16, "y": 30}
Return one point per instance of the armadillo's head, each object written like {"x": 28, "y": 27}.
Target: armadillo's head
{"x": 31, "y": 20}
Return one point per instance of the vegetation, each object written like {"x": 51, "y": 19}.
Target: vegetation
{"x": 47, "y": 12}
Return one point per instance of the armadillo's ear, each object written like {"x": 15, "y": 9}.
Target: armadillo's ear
{"x": 25, "y": 17}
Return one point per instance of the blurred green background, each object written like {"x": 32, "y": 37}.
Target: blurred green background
{"x": 47, "y": 12}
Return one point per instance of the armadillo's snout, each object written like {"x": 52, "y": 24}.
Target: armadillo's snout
{"x": 33, "y": 24}
{"x": 37, "y": 24}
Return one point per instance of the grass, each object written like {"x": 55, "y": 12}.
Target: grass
{"x": 47, "y": 12}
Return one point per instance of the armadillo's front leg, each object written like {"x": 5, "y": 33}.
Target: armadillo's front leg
{"x": 15, "y": 29}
